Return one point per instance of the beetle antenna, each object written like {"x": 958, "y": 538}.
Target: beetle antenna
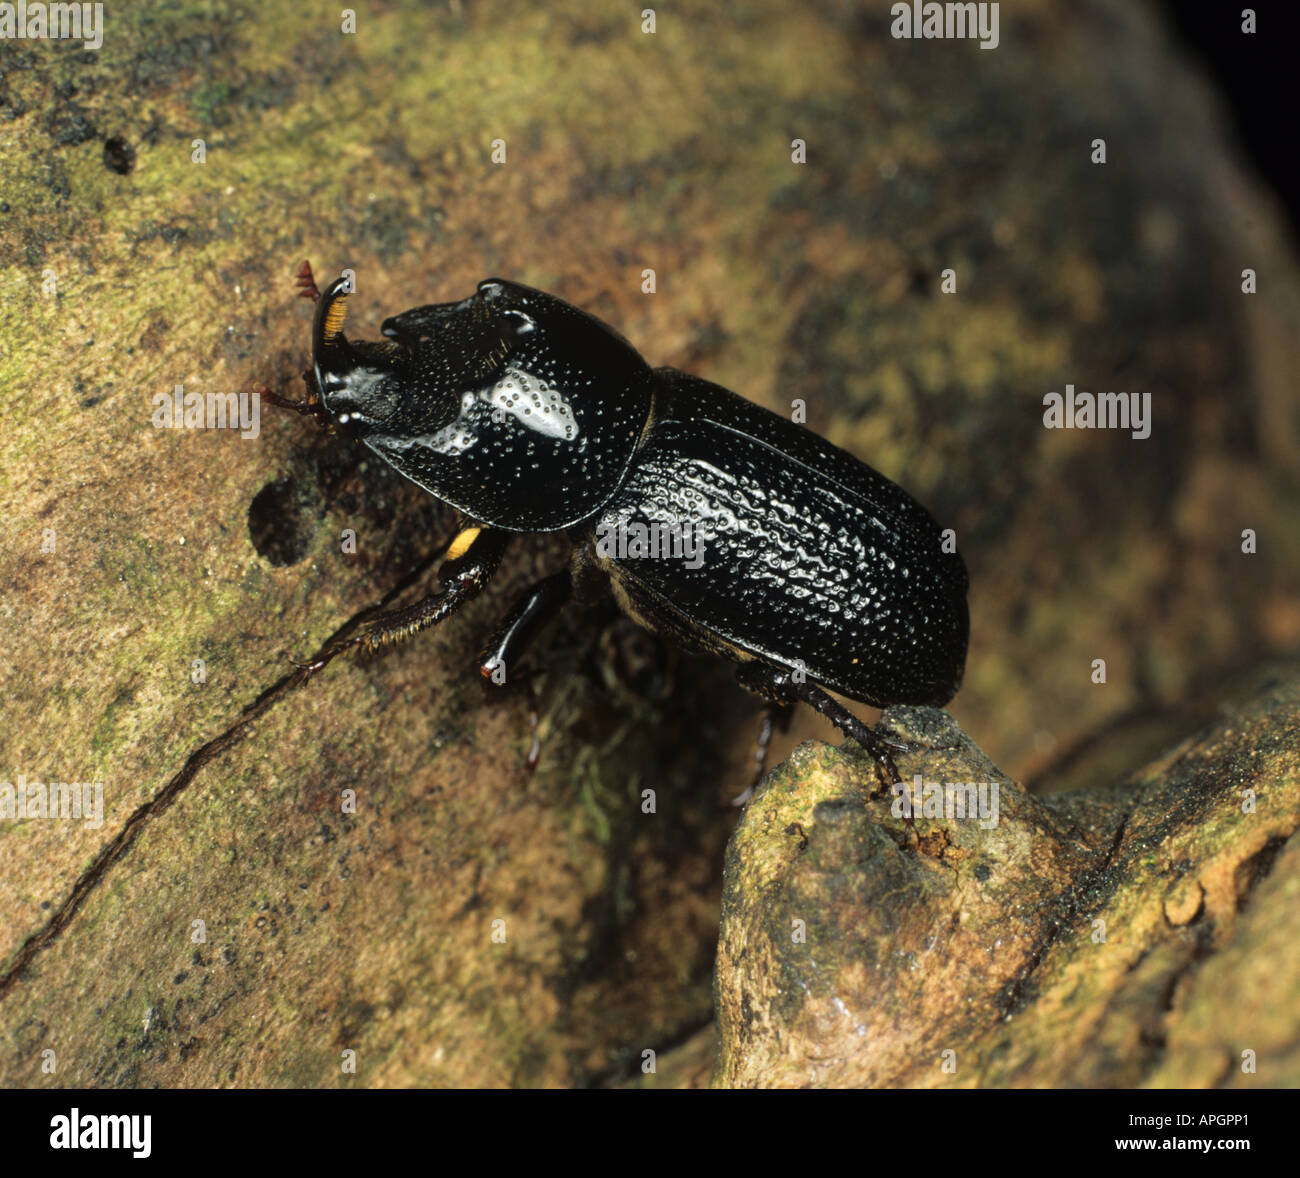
{"x": 305, "y": 281}
{"x": 311, "y": 407}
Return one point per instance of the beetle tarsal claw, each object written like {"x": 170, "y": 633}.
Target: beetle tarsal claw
{"x": 307, "y": 670}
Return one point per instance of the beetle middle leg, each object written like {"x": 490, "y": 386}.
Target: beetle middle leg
{"x": 471, "y": 560}
{"x": 512, "y": 637}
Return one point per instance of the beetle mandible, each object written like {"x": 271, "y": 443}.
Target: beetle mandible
{"x": 529, "y": 415}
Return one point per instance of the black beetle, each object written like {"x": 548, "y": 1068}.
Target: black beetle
{"x": 813, "y": 571}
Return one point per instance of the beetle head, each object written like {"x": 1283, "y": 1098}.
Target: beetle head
{"x": 512, "y": 405}
{"x": 355, "y": 380}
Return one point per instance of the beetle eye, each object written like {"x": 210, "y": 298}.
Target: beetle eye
{"x": 524, "y": 324}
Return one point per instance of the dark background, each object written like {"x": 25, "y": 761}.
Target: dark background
{"x": 1252, "y": 74}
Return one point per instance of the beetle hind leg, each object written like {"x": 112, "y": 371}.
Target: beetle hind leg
{"x": 779, "y": 686}
{"x": 775, "y": 715}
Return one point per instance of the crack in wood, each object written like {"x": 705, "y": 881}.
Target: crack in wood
{"x": 161, "y": 802}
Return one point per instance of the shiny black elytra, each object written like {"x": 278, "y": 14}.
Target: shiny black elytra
{"x": 529, "y": 415}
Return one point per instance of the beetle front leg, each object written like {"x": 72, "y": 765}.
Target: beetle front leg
{"x": 471, "y": 560}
